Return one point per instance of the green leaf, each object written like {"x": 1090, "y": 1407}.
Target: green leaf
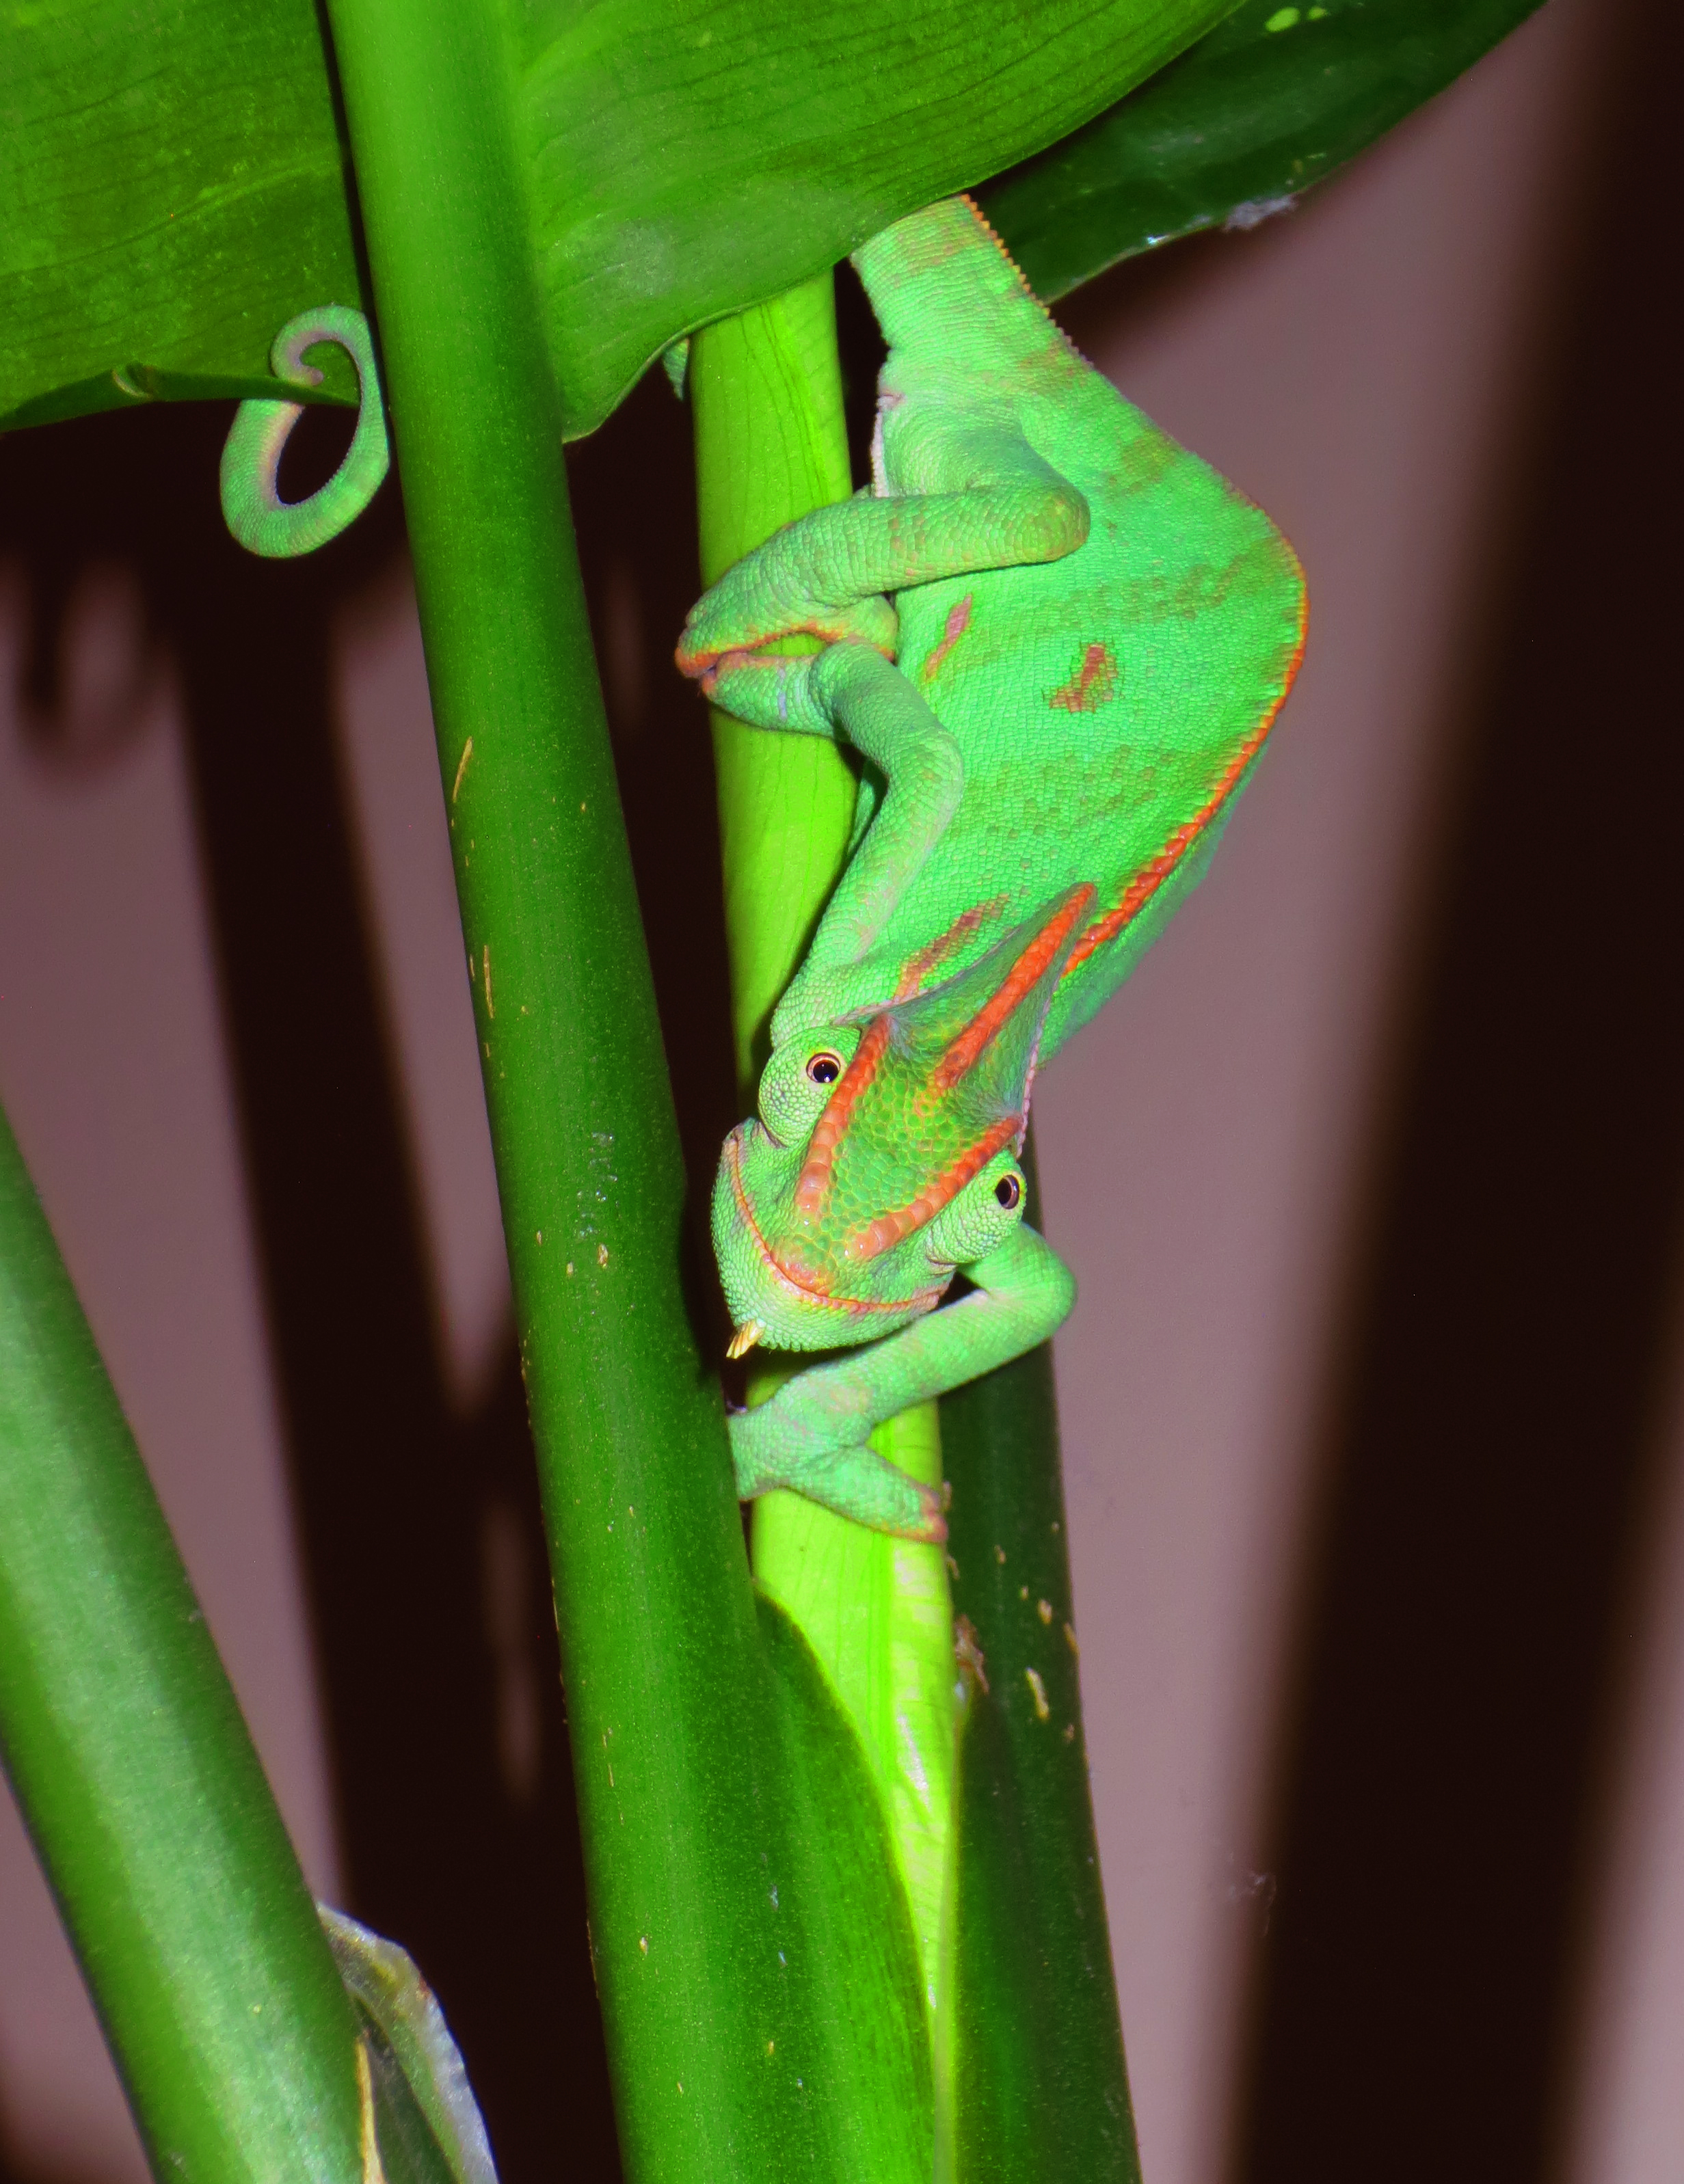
{"x": 174, "y": 189}
{"x": 175, "y": 182}
{"x": 687, "y": 161}
{"x": 1270, "y": 103}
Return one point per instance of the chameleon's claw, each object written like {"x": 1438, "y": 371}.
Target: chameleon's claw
{"x": 744, "y": 1339}
{"x": 736, "y": 663}
{"x": 855, "y": 1482}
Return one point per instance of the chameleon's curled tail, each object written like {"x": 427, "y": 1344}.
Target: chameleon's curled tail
{"x": 252, "y": 505}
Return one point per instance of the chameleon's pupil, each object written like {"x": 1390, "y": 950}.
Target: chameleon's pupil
{"x": 1008, "y": 1190}
{"x": 825, "y": 1068}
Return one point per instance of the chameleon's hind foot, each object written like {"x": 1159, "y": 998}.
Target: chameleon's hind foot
{"x": 856, "y": 1483}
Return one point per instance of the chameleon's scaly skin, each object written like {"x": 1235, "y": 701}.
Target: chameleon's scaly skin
{"x": 1093, "y": 632}
{"x": 252, "y": 505}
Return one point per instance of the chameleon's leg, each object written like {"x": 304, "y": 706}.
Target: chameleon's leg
{"x": 252, "y": 505}
{"x": 810, "y": 1436}
{"x": 822, "y": 575}
{"x": 853, "y": 694}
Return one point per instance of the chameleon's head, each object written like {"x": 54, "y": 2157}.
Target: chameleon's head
{"x": 884, "y": 1154}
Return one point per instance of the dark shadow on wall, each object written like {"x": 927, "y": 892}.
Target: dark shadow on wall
{"x": 1490, "y": 1469}
{"x": 13, "y": 2172}
{"x": 399, "y": 1502}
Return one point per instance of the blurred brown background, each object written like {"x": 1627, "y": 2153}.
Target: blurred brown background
{"x": 1374, "y": 1403}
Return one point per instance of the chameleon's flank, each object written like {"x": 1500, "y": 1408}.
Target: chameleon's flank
{"x": 252, "y": 505}
{"x": 1056, "y": 641}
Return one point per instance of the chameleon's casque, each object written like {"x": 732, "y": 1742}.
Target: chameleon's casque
{"x": 1091, "y": 634}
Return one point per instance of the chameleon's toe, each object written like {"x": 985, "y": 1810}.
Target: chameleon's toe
{"x": 856, "y": 1483}
{"x": 766, "y": 691}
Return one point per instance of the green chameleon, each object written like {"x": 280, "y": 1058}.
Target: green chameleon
{"x": 1088, "y": 636}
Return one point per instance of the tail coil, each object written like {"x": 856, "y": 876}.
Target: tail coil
{"x": 252, "y": 505}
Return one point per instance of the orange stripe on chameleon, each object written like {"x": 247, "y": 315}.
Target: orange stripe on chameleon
{"x": 828, "y": 1132}
{"x": 888, "y": 1228}
{"x": 1025, "y": 971}
{"x": 958, "y": 622}
{"x": 924, "y": 961}
{"x": 1140, "y": 890}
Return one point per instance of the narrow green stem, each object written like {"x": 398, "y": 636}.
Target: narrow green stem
{"x": 771, "y": 445}
{"x": 665, "y": 1674}
{"x": 137, "y": 1776}
{"x": 1038, "y": 2083}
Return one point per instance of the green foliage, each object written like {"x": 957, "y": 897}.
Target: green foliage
{"x": 1272, "y": 101}
{"x": 174, "y": 189}
{"x": 176, "y": 185}
{"x": 686, "y": 160}
{"x": 552, "y": 193}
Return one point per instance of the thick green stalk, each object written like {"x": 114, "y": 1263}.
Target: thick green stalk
{"x": 144, "y": 1795}
{"x": 667, "y": 1684}
{"x": 1031, "y": 2070}
{"x": 771, "y": 444}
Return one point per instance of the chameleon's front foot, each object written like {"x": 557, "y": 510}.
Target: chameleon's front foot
{"x": 855, "y": 1482}
{"x": 799, "y": 584}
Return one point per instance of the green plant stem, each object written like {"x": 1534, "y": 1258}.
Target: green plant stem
{"x": 660, "y": 1649}
{"x": 771, "y": 445}
{"x": 143, "y": 1793}
{"x": 1040, "y": 2090}
{"x": 765, "y": 387}
{"x": 1030, "y": 2076}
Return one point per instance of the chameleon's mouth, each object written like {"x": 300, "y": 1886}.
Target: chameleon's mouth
{"x": 802, "y": 1289}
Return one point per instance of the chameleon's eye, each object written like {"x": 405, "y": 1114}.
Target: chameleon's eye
{"x": 980, "y": 1218}
{"x": 795, "y": 1085}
